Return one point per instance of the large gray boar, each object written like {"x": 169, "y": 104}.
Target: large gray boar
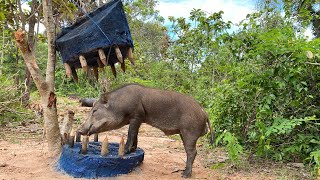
{"x": 133, "y": 104}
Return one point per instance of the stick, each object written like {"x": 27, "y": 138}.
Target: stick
{"x": 84, "y": 148}
{"x": 78, "y": 137}
{"x": 121, "y": 147}
{"x": 67, "y": 125}
{"x": 74, "y": 74}
{"x": 118, "y": 53}
{"x": 68, "y": 69}
{"x": 102, "y": 56}
{"x": 104, "y": 147}
{"x": 95, "y": 72}
{"x": 100, "y": 63}
{"x": 114, "y": 72}
{"x": 96, "y": 137}
{"x": 130, "y": 56}
{"x": 71, "y": 138}
{"x": 83, "y": 63}
{"x": 123, "y": 66}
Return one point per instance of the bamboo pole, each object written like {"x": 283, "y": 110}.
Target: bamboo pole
{"x": 118, "y": 53}
{"x": 114, "y": 72}
{"x": 121, "y": 147}
{"x": 68, "y": 69}
{"x": 85, "y": 141}
{"x": 130, "y": 56}
{"x": 74, "y": 74}
{"x": 102, "y": 56}
{"x": 83, "y": 63}
{"x": 104, "y": 147}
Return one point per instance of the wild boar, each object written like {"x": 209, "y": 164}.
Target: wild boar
{"x": 169, "y": 111}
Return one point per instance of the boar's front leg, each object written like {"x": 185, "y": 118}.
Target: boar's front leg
{"x": 132, "y": 141}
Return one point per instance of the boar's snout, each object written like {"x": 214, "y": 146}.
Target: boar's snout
{"x": 85, "y": 129}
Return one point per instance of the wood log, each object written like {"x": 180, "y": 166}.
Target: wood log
{"x": 102, "y": 57}
{"x": 74, "y": 74}
{"x": 85, "y": 141}
{"x": 87, "y": 102}
{"x": 95, "y": 72}
{"x": 78, "y": 137}
{"x": 113, "y": 69}
{"x": 121, "y": 147}
{"x": 123, "y": 66}
{"x": 66, "y": 126}
{"x": 130, "y": 56}
{"x": 104, "y": 146}
{"x": 83, "y": 63}
{"x": 118, "y": 53}
{"x": 96, "y": 137}
{"x": 68, "y": 69}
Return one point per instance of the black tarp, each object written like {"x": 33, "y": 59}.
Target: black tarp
{"x": 84, "y": 37}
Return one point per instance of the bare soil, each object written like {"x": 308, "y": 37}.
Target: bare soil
{"x": 23, "y": 155}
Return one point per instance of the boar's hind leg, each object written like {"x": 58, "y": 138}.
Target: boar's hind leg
{"x": 189, "y": 142}
{"x": 132, "y": 141}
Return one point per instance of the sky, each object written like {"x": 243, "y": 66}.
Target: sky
{"x": 234, "y": 10}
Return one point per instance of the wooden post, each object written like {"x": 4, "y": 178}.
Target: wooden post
{"x": 96, "y": 72}
{"x": 85, "y": 142}
{"x": 113, "y": 69}
{"x": 102, "y": 56}
{"x": 83, "y": 63}
{"x": 68, "y": 69}
{"x": 121, "y": 147}
{"x": 123, "y": 66}
{"x": 130, "y": 56}
{"x": 118, "y": 53}
{"x": 74, "y": 74}
{"x": 96, "y": 137}
{"x": 67, "y": 125}
{"x": 71, "y": 138}
{"x": 104, "y": 147}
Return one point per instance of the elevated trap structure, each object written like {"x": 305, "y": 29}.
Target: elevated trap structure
{"x": 100, "y": 38}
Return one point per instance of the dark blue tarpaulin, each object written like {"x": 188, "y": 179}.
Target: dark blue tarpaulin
{"x": 105, "y": 27}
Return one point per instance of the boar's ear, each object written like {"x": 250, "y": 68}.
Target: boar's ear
{"x": 104, "y": 98}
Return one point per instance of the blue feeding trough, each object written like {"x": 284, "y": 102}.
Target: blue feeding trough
{"x": 93, "y": 165}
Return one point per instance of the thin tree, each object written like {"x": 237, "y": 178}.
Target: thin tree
{"x": 45, "y": 85}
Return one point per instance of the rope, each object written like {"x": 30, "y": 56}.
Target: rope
{"x": 82, "y": 10}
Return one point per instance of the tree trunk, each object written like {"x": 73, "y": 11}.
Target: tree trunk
{"x": 49, "y": 97}
{"x": 44, "y": 86}
{"x": 28, "y": 80}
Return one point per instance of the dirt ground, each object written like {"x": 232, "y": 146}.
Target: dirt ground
{"x": 23, "y": 155}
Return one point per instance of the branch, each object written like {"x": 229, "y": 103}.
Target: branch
{"x": 30, "y": 60}
{"x": 317, "y": 64}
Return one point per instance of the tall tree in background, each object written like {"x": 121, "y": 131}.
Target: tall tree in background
{"x": 307, "y": 12}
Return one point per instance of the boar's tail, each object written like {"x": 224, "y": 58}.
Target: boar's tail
{"x": 212, "y": 137}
